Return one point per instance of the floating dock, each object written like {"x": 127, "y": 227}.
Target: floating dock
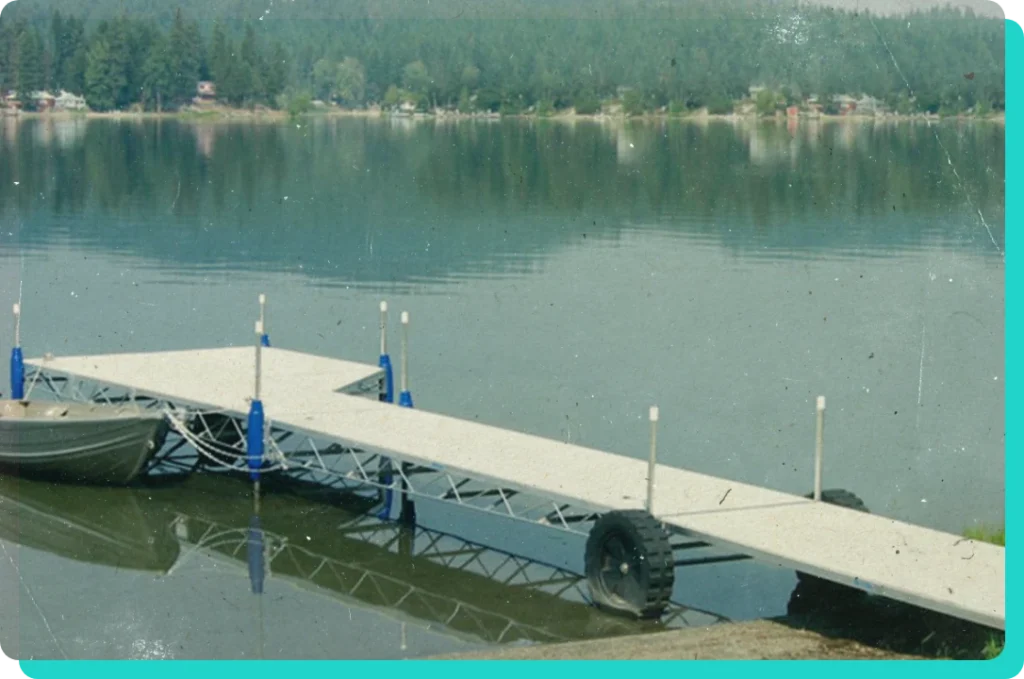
{"x": 338, "y": 403}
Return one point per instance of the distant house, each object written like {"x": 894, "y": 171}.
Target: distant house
{"x": 66, "y": 101}
{"x": 792, "y": 111}
{"x": 43, "y": 100}
{"x": 870, "y": 105}
{"x": 845, "y": 103}
{"x": 206, "y": 92}
{"x": 407, "y": 107}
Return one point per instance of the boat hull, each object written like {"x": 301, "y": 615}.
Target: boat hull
{"x": 81, "y": 443}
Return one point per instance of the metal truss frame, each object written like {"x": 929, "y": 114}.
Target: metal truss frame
{"x": 398, "y": 597}
{"x": 215, "y": 441}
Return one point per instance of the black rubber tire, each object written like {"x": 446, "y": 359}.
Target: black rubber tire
{"x": 640, "y": 541}
{"x": 842, "y": 498}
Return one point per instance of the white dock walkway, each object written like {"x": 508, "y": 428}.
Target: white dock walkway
{"x": 931, "y": 569}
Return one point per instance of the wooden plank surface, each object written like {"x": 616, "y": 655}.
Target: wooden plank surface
{"x": 935, "y": 570}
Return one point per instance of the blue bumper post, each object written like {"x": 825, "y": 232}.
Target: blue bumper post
{"x": 17, "y": 374}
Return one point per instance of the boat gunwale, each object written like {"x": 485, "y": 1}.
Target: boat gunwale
{"x": 76, "y": 412}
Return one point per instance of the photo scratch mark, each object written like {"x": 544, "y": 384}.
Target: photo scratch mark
{"x": 32, "y": 598}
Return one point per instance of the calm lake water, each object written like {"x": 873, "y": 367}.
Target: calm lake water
{"x": 561, "y": 278}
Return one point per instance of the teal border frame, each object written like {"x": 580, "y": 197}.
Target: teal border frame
{"x": 1009, "y": 663}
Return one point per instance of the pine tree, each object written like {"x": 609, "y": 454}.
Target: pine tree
{"x": 6, "y": 51}
{"x": 59, "y": 54}
{"x": 103, "y": 79}
{"x": 218, "y": 54}
{"x": 252, "y": 61}
{"x": 30, "y": 67}
{"x": 276, "y": 73}
{"x": 351, "y": 81}
{"x": 74, "y": 70}
{"x": 158, "y": 73}
{"x": 67, "y": 51}
{"x": 235, "y": 81}
{"x": 139, "y": 37}
{"x": 119, "y": 53}
{"x": 324, "y": 79}
{"x": 185, "y": 46}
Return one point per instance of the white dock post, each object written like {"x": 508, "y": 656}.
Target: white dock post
{"x": 405, "y": 397}
{"x": 387, "y": 395}
{"x": 383, "y": 328}
{"x": 259, "y": 359}
{"x": 264, "y": 337}
{"x": 819, "y": 448}
{"x": 652, "y": 462}
{"x": 408, "y": 511}
{"x": 388, "y": 383}
{"x": 405, "y": 351}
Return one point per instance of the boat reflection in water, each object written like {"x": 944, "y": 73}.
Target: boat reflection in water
{"x": 416, "y": 576}
{"x": 92, "y": 524}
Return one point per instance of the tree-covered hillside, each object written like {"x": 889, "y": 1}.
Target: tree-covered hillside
{"x": 491, "y": 55}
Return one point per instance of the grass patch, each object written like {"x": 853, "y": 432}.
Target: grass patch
{"x": 993, "y": 647}
{"x": 890, "y": 625}
{"x": 997, "y": 536}
{"x": 991, "y": 534}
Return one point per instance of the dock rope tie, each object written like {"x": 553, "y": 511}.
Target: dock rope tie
{"x": 216, "y": 453}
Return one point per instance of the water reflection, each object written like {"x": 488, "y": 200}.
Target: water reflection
{"x": 90, "y": 524}
{"x": 419, "y": 576}
{"x": 348, "y": 199}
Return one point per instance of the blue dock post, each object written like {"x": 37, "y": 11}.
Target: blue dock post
{"x": 254, "y": 552}
{"x": 405, "y": 398}
{"x": 264, "y": 337}
{"x": 386, "y": 474}
{"x": 17, "y": 360}
{"x": 254, "y": 433}
{"x": 407, "y": 514}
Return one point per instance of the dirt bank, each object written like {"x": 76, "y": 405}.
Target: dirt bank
{"x": 759, "y": 640}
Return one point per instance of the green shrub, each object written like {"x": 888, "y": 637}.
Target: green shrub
{"x": 587, "y": 104}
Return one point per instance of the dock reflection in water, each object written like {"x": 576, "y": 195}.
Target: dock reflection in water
{"x": 416, "y": 576}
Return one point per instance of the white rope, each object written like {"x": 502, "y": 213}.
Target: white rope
{"x": 216, "y": 454}
{"x": 274, "y": 452}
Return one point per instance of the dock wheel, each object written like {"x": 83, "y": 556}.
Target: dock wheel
{"x": 630, "y": 565}
{"x": 842, "y": 498}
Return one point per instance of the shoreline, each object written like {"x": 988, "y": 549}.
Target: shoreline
{"x": 757, "y": 640}
{"x": 239, "y": 115}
